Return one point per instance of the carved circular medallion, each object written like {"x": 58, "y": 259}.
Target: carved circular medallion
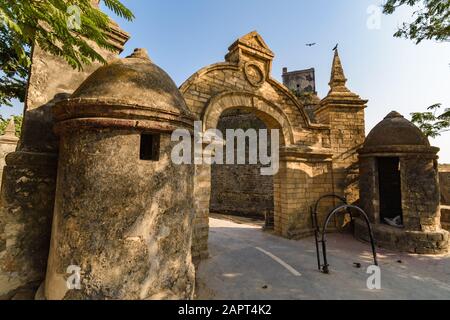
{"x": 254, "y": 74}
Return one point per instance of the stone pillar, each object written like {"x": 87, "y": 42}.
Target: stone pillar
{"x": 344, "y": 112}
{"x": 368, "y": 185}
{"x": 202, "y": 195}
{"x": 29, "y": 181}
{"x": 8, "y": 144}
{"x": 304, "y": 176}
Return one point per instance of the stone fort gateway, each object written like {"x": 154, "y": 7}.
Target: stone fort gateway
{"x": 91, "y": 184}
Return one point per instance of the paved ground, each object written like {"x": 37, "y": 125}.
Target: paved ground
{"x": 248, "y": 263}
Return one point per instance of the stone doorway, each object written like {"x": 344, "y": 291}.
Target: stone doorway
{"x": 272, "y": 118}
{"x": 241, "y": 190}
{"x": 390, "y": 189}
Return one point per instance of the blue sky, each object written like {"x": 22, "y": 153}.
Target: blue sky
{"x": 183, "y": 36}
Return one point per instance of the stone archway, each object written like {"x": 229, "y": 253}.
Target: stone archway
{"x": 273, "y": 118}
{"x": 244, "y": 81}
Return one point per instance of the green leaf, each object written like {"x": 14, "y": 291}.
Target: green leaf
{"x": 25, "y": 23}
{"x": 431, "y": 124}
{"x": 431, "y": 19}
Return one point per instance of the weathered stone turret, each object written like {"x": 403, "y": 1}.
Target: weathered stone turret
{"x": 400, "y": 188}
{"x": 29, "y": 177}
{"x": 123, "y": 211}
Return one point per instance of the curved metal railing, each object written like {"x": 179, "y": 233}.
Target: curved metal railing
{"x": 348, "y": 208}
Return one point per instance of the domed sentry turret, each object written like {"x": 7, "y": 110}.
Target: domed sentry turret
{"x": 123, "y": 214}
{"x": 399, "y": 188}
{"x": 130, "y": 90}
{"x": 395, "y": 130}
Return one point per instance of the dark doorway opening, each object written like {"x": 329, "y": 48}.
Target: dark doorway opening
{"x": 390, "y": 191}
{"x": 241, "y": 190}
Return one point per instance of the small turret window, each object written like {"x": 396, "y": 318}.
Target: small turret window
{"x": 150, "y": 144}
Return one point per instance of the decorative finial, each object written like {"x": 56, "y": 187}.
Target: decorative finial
{"x": 337, "y": 80}
{"x": 9, "y": 137}
{"x": 140, "y": 53}
{"x": 10, "y": 129}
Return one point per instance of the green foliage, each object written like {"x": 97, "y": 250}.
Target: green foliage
{"x": 295, "y": 92}
{"x": 47, "y": 23}
{"x": 432, "y": 124}
{"x": 431, "y": 20}
{"x": 12, "y": 72}
{"x": 306, "y": 97}
{"x": 17, "y": 121}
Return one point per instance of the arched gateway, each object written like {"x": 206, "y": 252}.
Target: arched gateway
{"x": 318, "y": 155}
{"x": 244, "y": 81}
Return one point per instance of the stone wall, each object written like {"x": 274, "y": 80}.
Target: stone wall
{"x": 241, "y": 189}
{"x": 444, "y": 178}
{"x": 401, "y": 240}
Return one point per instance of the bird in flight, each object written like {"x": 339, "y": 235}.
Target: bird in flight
{"x": 336, "y": 47}
{"x": 310, "y": 44}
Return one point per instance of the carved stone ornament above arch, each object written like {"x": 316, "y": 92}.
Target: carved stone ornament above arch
{"x": 254, "y": 75}
{"x": 203, "y": 73}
